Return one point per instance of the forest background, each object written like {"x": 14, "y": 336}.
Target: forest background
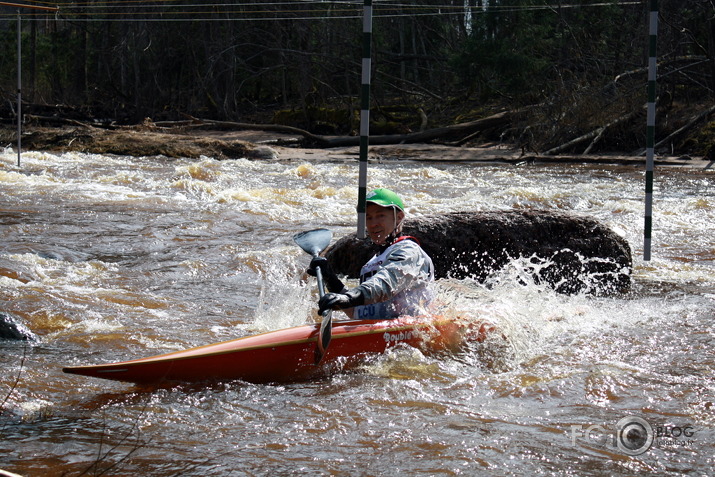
{"x": 542, "y": 75}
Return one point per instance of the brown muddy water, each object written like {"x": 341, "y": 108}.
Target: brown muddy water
{"x": 111, "y": 258}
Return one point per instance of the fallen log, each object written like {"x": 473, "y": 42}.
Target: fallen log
{"x": 596, "y": 134}
{"x": 692, "y": 122}
{"x": 573, "y": 254}
{"x": 500, "y": 119}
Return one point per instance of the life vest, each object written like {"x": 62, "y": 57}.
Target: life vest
{"x": 396, "y": 282}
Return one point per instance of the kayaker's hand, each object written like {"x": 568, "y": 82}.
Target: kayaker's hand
{"x": 318, "y": 262}
{"x": 338, "y": 301}
{"x": 331, "y": 279}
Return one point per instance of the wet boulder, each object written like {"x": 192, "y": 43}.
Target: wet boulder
{"x": 573, "y": 254}
{"x": 11, "y": 328}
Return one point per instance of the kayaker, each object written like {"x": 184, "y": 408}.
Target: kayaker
{"x": 396, "y": 281}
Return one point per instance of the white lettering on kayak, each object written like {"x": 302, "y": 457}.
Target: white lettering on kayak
{"x": 401, "y": 336}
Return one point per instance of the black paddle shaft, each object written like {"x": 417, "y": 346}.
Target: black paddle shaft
{"x": 314, "y": 242}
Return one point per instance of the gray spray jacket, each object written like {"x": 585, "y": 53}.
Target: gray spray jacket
{"x": 396, "y": 282}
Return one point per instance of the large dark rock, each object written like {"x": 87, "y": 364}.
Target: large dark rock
{"x": 572, "y": 253}
{"x": 12, "y": 329}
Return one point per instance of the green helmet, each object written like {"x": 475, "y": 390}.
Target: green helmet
{"x": 385, "y": 198}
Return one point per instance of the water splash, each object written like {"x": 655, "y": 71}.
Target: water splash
{"x": 530, "y": 317}
{"x": 285, "y": 300}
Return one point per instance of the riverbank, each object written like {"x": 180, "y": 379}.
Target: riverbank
{"x": 149, "y": 140}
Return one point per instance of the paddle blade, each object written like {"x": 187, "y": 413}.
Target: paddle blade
{"x": 313, "y": 241}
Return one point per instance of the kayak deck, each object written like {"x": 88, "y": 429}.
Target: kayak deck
{"x": 287, "y": 355}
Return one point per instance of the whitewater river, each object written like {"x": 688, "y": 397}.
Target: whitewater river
{"x": 111, "y": 258}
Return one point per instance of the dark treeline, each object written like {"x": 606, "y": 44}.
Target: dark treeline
{"x": 568, "y": 67}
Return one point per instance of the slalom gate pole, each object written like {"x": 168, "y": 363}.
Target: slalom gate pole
{"x": 364, "y": 115}
{"x": 19, "y": 67}
{"x": 650, "y": 128}
{"x": 19, "y": 88}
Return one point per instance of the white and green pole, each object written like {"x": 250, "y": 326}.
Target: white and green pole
{"x": 650, "y": 128}
{"x": 19, "y": 88}
{"x": 19, "y": 68}
{"x": 364, "y": 115}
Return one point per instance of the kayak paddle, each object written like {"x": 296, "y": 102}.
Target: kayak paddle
{"x": 314, "y": 242}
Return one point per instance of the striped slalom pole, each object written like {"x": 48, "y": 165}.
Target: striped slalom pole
{"x": 650, "y": 129}
{"x": 19, "y": 67}
{"x": 19, "y": 88}
{"x": 364, "y": 115}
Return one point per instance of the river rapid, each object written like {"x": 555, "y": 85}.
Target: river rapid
{"x": 108, "y": 258}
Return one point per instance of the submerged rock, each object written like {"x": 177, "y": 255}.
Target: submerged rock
{"x": 12, "y": 329}
{"x": 571, "y": 253}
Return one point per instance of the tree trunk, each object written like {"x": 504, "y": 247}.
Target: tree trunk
{"x": 596, "y": 133}
{"x": 496, "y": 120}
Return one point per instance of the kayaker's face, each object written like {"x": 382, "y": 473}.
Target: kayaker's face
{"x": 381, "y": 221}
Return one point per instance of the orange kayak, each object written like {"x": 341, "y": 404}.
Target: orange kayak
{"x": 289, "y": 355}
